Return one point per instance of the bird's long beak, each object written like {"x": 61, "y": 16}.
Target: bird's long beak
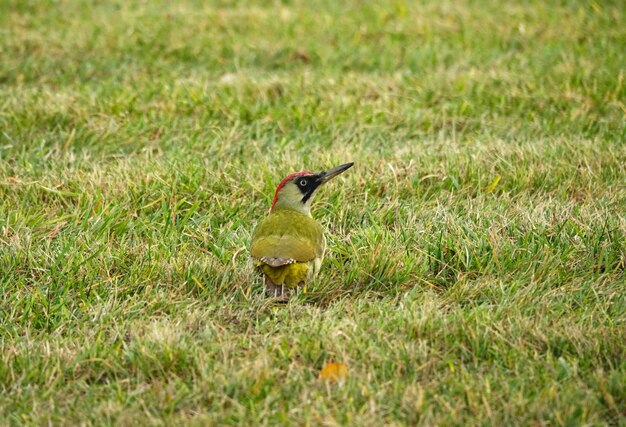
{"x": 331, "y": 173}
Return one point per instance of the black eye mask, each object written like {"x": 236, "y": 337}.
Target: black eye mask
{"x": 307, "y": 185}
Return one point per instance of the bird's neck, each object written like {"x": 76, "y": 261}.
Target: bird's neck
{"x": 290, "y": 198}
{"x": 302, "y": 208}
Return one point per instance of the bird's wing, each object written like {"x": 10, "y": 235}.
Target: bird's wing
{"x": 287, "y": 249}
{"x": 276, "y": 262}
{"x": 288, "y": 235}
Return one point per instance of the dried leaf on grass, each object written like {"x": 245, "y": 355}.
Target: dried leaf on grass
{"x": 334, "y": 371}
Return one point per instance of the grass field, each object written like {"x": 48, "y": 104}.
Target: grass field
{"x": 477, "y": 249}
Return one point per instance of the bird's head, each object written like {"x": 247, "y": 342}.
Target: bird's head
{"x": 296, "y": 190}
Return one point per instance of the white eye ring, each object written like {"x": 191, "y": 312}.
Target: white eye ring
{"x": 303, "y": 182}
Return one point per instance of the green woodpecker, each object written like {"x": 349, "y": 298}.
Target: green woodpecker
{"x": 288, "y": 245}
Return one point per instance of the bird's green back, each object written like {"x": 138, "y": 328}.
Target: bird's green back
{"x": 288, "y": 234}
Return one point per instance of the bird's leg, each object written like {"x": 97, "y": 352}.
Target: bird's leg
{"x": 285, "y": 294}
{"x": 281, "y": 292}
{"x": 272, "y": 290}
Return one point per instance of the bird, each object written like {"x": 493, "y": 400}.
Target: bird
{"x": 288, "y": 245}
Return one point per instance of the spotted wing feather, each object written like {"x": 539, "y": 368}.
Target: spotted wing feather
{"x": 276, "y": 262}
